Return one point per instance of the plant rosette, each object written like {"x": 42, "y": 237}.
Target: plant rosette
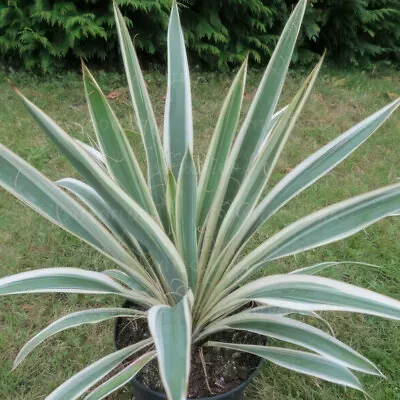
{"x": 178, "y": 235}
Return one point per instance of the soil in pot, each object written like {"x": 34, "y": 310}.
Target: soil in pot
{"x": 225, "y": 369}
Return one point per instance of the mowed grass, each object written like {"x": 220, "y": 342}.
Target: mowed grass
{"x": 27, "y": 241}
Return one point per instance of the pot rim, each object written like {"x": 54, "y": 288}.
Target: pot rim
{"x": 221, "y": 396}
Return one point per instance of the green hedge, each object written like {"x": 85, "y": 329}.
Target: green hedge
{"x": 45, "y": 33}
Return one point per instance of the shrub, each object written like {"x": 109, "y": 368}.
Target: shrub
{"x": 45, "y": 33}
{"x": 179, "y": 242}
{"x": 357, "y": 31}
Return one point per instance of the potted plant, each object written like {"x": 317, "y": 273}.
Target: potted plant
{"x": 193, "y": 301}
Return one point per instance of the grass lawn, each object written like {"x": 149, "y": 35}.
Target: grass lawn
{"x": 28, "y": 241}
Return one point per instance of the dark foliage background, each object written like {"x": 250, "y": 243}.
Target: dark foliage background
{"x": 48, "y": 34}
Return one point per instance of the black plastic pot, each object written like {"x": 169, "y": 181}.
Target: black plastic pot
{"x": 142, "y": 392}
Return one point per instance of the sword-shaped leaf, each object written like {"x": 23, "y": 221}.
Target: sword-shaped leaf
{"x": 220, "y": 145}
{"x": 178, "y": 123}
{"x": 121, "y": 378}
{"x": 274, "y": 120}
{"x": 258, "y": 120}
{"x": 171, "y": 328}
{"x": 119, "y": 157}
{"x": 185, "y": 212}
{"x": 171, "y": 202}
{"x": 297, "y": 333}
{"x": 71, "y": 321}
{"x": 299, "y": 361}
{"x": 145, "y": 119}
{"x": 316, "y": 268}
{"x": 74, "y": 387}
{"x": 68, "y": 280}
{"x": 328, "y": 225}
{"x": 314, "y": 293}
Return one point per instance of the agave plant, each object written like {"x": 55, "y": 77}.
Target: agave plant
{"x": 179, "y": 242}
